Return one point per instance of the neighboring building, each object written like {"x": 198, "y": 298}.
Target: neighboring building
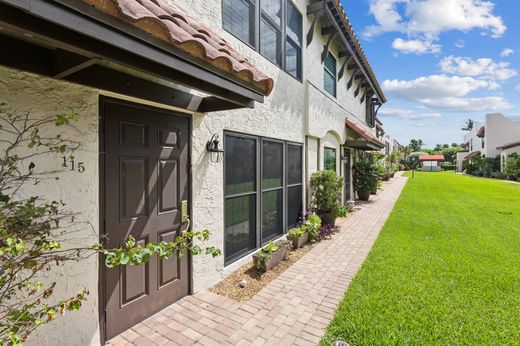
{"x": 431, "y": 163}
{"x": 506, "y": 150}
{"x": 485, "y": 138}
{"x": 288, "y": 92}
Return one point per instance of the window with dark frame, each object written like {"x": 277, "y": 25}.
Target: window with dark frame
{"x": 329, "y": 159}
{"x": 329, "y": 74}
{"x": 263, "y": 191}
{"x": 272, "y": 27}
{"x": 370, "y": 112}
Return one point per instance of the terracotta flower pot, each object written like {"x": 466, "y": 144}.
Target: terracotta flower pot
{"x": 298, "y": 242}
{"x": 276, "y": 257}
{"x": 363, "y": 195}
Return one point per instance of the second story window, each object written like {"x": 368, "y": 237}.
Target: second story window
{"x": 329, "y": 75}
{"x": 272, "y": 27}
{"x": 370, "y": 112}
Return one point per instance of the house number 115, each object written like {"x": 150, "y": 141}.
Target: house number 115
{"x": 80, "y": 167}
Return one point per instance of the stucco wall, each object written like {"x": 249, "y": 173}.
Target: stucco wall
{"x": 499, "y": 131}
{"x": 42, "y": 97}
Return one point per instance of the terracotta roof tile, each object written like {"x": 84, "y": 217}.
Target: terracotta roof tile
{"x": 509, "y": 145}
{"x": 431, "y": 157}
{"x": 359, "y": 49}
{"x": 170, "y": 24}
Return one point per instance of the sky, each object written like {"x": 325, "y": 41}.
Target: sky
{"x": 440, "y": 62}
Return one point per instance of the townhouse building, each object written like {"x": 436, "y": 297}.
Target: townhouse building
{"x": 497, "y": 136}
{"x": 208, "y": 114}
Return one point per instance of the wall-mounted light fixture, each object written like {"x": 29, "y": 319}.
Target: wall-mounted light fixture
{"x": 216, "y": 154}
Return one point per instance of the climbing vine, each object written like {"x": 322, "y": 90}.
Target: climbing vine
{"x": 34, "y": 229}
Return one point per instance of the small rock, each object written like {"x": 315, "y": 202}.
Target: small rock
{"x": 242, "y": 284}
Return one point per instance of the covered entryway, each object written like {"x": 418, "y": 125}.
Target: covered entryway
{"x": 146, "y": 181}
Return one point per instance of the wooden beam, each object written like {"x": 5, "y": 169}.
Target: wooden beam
{"x": 326, "y": 47}
{"x": 359, "y": 76}
{"x": 344, "y": 54}
{"x": 356, "y": 93}
{"x": 342, "y": 69}
{"x": 310, "y": 33}
{"x": 363, "y": 97}
{"x": 352, "y": 67}
{"x": 327, "y": 30}
{"x": 351, "y": 80}
{"x": 316, "y": 7}
{"x": 66, "y": 63}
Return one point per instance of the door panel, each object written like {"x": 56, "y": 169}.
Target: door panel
{"x": 146, "y": 178}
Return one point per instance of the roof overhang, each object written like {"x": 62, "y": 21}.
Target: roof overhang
{"x": 366, "y": 140}
{"x": 71, "y": 40}
{"x": 481, "y": 132}
{"x": 509, "y": 145}
{"x": 363, "y": 144}
{"x": 339, "y": 24}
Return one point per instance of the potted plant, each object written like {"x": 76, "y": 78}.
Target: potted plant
{"x": 326, "y": 189}
{"x": 299, "y": 236}
{"x": 270, "y": 255}
{"x": 365, "y": 177}
{"x": 380, "y": 172}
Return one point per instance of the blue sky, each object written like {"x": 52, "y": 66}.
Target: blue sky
{"x": 440, "y": 62}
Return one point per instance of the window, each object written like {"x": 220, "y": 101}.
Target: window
{"x": 370, "y": 112}
{"x": 275, "y": 30}
{"x": 482, "y": 143}
{"x": 329, "y": 156}
{"x": 294, "y": 184}
{"x": 329, "y": 75}
{"x": 239, "y": 19}
{"x": 263, "y": 192}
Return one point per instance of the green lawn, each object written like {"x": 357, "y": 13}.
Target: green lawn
{"x": 445, "y": 269}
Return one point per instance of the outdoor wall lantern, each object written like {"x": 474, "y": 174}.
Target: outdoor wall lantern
{"x": 216, "y": 154}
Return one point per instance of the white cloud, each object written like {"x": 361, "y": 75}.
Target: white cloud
{"x": 473, "y": 104}
{"x": 446, "y": 93}
{"x": 483, "y": 67}
{"x": 416, "y": 46}
{"x": 460, "y": 44}
{"x": 434, "y": 86}
{"x": 431, "y": 17}
{"x": 407, "y": 114}
{"x": 507, "y": 52}
{"x": 517, "y": 88}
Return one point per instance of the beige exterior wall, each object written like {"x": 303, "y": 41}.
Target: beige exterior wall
{"x": 43, "y": 97}
{"x": 295, "y": 111}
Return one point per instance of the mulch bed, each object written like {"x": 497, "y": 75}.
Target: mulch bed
{"x": 257, "y": 280}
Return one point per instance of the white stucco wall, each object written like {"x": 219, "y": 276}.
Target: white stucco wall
{"x": 499, "y": 131}
{"x": 43, "y": 97}
{"x": 461, "y": 155}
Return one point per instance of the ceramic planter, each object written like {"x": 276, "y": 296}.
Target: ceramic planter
{"x": 328, "y": 219}
{"x": 276, "y": 257}
{"x": 364, "y": 195}
{"x": 298, "y": 242}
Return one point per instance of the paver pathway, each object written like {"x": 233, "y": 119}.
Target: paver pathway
{"x": 295, "y": 308}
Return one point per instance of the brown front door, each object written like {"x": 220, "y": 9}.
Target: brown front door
{"x": 146, "y": 178}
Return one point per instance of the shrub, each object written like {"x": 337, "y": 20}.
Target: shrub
{"x": 482, "y": 166}
{"x": 326, "y": 189}
{"x": 365, "y": 174}
{"x": 341, "y": 211}
{"x": 448, "y": 167}
{"x": 512, "y": 166}
{"x": 498, "y": 175}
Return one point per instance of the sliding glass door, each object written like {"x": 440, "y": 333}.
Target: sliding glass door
{"x": 262, "y": 191}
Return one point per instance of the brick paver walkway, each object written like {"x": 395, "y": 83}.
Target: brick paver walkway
{"x": 293, "y": 309}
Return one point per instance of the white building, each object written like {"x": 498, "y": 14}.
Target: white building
{"x": 145, "y": 76}
{"x": 490, "y": 137}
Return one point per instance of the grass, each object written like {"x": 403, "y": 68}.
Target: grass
{"x": 445, "y": 269}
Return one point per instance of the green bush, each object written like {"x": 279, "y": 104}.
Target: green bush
{"x": 482, "y": 166}
{"x": 512, "y": 166}
{"x": 365, "y": 174}
{"x": 326, "y": 189}
{"x": 448, "y": 167}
